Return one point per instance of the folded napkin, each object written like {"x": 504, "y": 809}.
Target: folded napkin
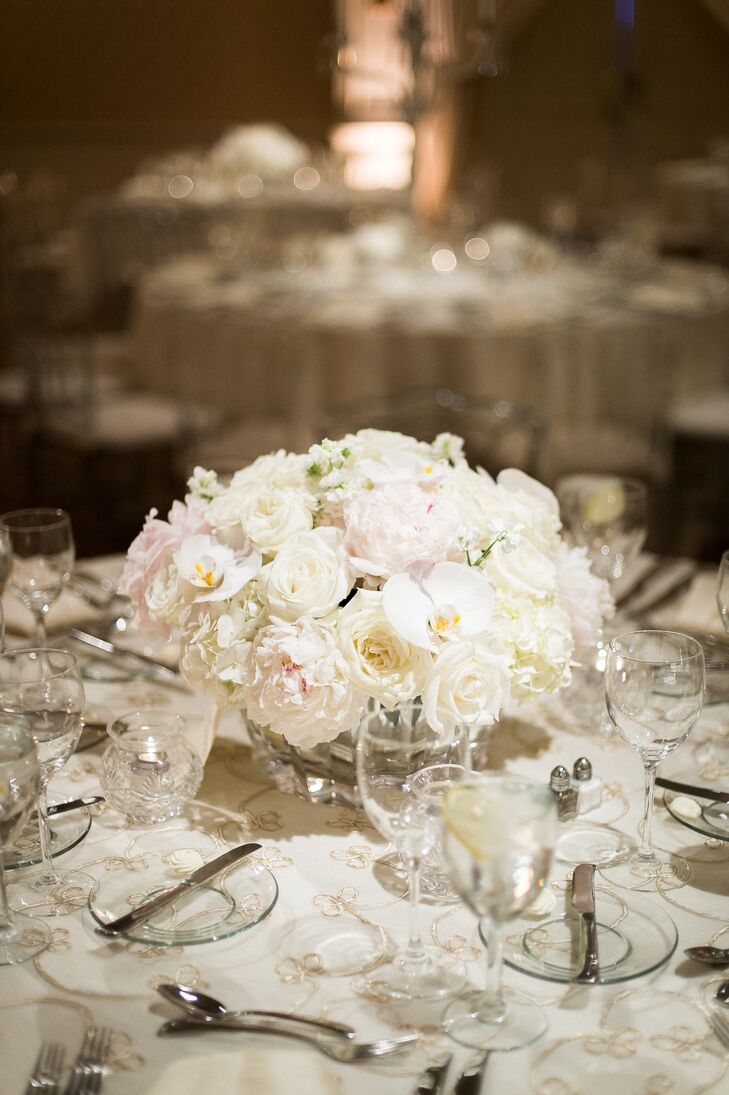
{"x": 696, "y": 610}
{"x": 252, "y": 1070}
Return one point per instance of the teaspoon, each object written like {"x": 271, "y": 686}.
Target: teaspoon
{"x": 202, "y": 1006}
{"x": 722, "y": 994}
{"x": 711, "y": 956}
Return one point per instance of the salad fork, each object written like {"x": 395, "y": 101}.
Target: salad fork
{"x": 720, "y": 1026}
{"x": 46, "y": 1070}
{"x": 88, "y": 1070}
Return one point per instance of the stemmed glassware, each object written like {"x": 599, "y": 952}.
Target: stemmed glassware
{"x": 654, "y": 690}
{"x": 722, "y": 590}
{"x": 607, "y": 515}
{"x": 44, "y": 687}
{"x": 21, "y": 936}
{"x": 42, "y": 559}
{"x": 392, "y": 747}
{"x": 497, "y": 844}
{"x": 6, "y": 553}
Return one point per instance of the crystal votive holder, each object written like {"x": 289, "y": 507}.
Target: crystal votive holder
{"x": 149, "y": 771}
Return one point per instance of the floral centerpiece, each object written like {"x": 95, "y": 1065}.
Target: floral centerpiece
{"x": 376, "y": 567}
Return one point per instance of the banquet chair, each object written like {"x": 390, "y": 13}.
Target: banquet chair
{"x": 496, "y": 432}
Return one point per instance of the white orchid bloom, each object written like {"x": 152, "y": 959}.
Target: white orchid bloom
{"x": 215, "y": 572}
{"x": 451, "y": 601}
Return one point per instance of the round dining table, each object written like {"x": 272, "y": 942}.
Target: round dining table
{"x": 342, "y": 899}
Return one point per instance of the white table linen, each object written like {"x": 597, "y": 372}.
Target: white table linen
{"x": 340, "y": 886}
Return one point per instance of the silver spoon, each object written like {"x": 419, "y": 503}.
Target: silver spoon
{"x": 711, "y": 956}
{"x": 722, "y": 994}
{"x": 202, "y": 1006}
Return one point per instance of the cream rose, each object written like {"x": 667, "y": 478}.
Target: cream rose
{"x": 309, "y": 576}
{"x": 383, "y": 665}
{"x": 539, "y": 641}
{"x": 166, "y": 597}
{"x": 523, "y": 572}
{"x": 299, "y": 684}
{"x": 469, "y": 684}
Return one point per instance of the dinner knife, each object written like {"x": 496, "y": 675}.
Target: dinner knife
{"x": 197, "y": 878}
{"x": 689, "y": 789}
{"x": 158, "y": 669}
{"x": 74, "y": 804}
{"x": 433, "y": 1079}
{"x": 583, "y": 901}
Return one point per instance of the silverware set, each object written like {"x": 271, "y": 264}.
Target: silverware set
{"x": 87, "y": 1072}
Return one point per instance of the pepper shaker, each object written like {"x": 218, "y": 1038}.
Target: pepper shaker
{"x": 587, "y": 786}
{"x": 565, "y": 795}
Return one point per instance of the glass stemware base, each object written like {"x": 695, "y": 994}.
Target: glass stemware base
{"x": 656, "y": 873}
{"x": 438, "y": 974}
{"x": 22, "y": 939}
{"x": 471, "y": 1022}
{"x": 58, "y": 894}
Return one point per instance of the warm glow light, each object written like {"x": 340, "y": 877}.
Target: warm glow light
{"x": 477, "y": 249}
{"x": 307, "y": 178}
{"x": 377, "y": 155}
{"x": 444, "y": 260}
{"x": 249, "y": 186}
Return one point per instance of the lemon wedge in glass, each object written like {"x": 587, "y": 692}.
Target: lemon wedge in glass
{"x": 474, "y": 818}
{"x": 606, "y": 505}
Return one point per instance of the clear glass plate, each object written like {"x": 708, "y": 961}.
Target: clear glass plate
{"x": 712, "y": 822}
{"x": 236, "y": 899}
{"x": 67, "y": 830}
{"x": 635, "y": 936}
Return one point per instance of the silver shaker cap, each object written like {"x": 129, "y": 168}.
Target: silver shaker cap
{"x": 559, "y": 780}
{"x": 582, "y": 770}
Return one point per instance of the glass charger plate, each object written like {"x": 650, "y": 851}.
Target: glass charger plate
{"x": 67, "y": 830}
{"x": 635, "y": 936}
{"x": 712, "y": 822}
{"x": 238, "y": 898}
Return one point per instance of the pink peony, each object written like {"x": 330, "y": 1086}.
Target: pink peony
{"x": 154, "y": 548}
{"x": 396, "y": 527}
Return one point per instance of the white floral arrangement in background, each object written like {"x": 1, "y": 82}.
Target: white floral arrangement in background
{"x": 376, "y": 567}
{"x": 267, "y": 150}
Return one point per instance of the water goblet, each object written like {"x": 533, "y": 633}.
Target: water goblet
{"x": 21, "y": 936}
{"x": 722, "y": 590}
{"x": 497, "y": 844}
{"x": 654, "y": 690}
{"x": 431, "y": 785}
{"x": 392, "y": 746}
{"x": 42, "y": 559}
{"x": 607, "y": 515}
{"x": 6, "y": 553}
{"x": 44, "y": 687}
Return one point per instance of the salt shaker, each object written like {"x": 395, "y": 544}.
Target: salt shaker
{"x": 587, "y": 786}
{"x": 565, "y": 795}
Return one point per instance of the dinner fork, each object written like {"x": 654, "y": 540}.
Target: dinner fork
{"x": 46, "y": 1070}
{"x": 720, "y": 1026}
{"x": 88, "y": 1070}
{"x": 337, "y": 1048}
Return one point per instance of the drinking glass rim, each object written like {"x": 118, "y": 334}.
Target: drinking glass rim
{"x": 689, "y": 639}
{"x": 8, "y": 655}
{"x": 61, "y": 515}
{"x": 124, "y": 735}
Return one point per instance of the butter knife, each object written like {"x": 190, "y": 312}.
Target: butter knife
{"x": 583, "y": 901}
{"x": 197, "y": 878}
{"x": 157, "y": 669}
{"x": 689, "y": 789}
{"x": 73, "y": 804}
{"x": 433, "y": 1079}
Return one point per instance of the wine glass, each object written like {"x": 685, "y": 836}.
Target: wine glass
{"x": 44, "y": 687}
{"x": 607, "y": 515}
{"x": 497, "y": 843}
{"x": 21, "y": 937}
{"x": 654, "y": 690}
{"x": 6, "y": 554}
{"x": 42, "y": 559}
{"x": 392, "y": 747}
{"x": 431, "y": 785}
{"x": 722, "y": 590}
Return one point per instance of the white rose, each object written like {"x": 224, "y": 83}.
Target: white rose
{"x": 229, "y": 512}
{"x": 477, "y": 502}
{"x": 539, "y": 640}
{"x": 470, "y": 685}
{"x": 527, "y": 503}
{"x": 523, "y": 572}
{"x": 275, "y": 469}
{"x": 382, "y": 663}
{"x": 376, "y": 444}
{"x": 166, "y": 597}
{"x": 215, "y": 654}
{"x": 274, "y": 515}
{"x": 309, "y": 575}
{"x": 299, "y": 684}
